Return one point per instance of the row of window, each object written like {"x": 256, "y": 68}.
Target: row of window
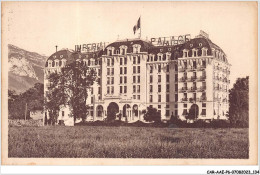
{"x": 136, "y": 88}
{"x": 159, "y": 78}
{"x": 160, "y": 68}
{"x": 159, "y": 98}
{"x": 159, "y": 88}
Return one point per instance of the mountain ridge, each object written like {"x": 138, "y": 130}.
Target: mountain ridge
{"x": 25, "y": 68}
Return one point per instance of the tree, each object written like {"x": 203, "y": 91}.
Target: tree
{"x": 69, "y": 87}
{"x": 193, "y": 112}
{"x": 33, "y": 97}
{"x": 238, "y": 101}
{"x": 151, "y": 114}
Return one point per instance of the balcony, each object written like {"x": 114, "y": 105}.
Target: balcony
{"x": 202, "y": 78}
{"x": 203, "y": 98}
{"x": 192, "y": 89}
{"x": 191, "y": 68}
{"x": 193, "y": 78}
{"x": 202, "y": 88}
{"x": 182, "y": 69}
{"x": 201, "y": 68}
{"x": 184, "y": 99}
{"x": 182, "y": 79}
{"x": 183, "y": 89}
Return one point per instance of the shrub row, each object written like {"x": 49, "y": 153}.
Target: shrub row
{"x": 170, "y": 124}
{"x": 20, "y": 122}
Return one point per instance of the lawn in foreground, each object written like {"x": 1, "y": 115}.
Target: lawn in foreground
{"x": 127, "y": 142}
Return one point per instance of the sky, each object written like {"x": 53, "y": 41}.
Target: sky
{"x": 39, "y": 26}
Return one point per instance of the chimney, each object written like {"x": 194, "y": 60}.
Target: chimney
{"x": 56, "y": 48}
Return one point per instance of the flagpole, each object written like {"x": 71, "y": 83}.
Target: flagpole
{"x": 140, "y": 27}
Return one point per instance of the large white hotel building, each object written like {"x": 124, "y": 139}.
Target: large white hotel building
{"x": 135, "y": 74}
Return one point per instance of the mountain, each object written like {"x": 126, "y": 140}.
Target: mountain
{"x": 25, "y": 68}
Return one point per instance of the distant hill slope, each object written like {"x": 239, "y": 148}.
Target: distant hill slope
{"x": 25, "y": 68}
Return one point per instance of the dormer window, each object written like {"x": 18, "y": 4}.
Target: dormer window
{"x": 50, "y": 63}
{"x": 204, "y": 51}
{"x": 194, "y": 52}
{"x": 136, "y": 48}
{"x": 117, "y": 52}
{"x": 185, "y": 53}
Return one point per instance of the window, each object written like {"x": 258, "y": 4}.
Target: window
{"x": 167, "y": 113}
{"x": 134, "y": 69}
{"x": 125, "y": 60}
{"x": 134, "y": 80}
{"x": 176, "y": 105}
{"x": 138, "y": 79}
{"x": 139, "y": 69}
{"x": 108, "y": 90}
{"x": 121, "y": 80}
{"x": 125, "y": 80}
{"x": 133, "y": 96}
{"x": 176, "y": 112}
{"x": 121, "y": 70}
{"x": 117, "y": 51}
{"x": 108, "y": 62}
{"x": 176, "y": 67}
{"x": 159, "y": 106}
{"x": 151, "y": 88}
{"x": 167, "y": 98}
{"x": 167, "y": 68}
{"x": 121, "y": 61}
{"x": 99, "y": 90}
{"x": 134, "y": 60}
{"x": 203, "y": 112}
{"x": 138, "y": 97}
{"x": 125, "y": 70}
{"x": 92, "y": 90}
{"x": 167, "y": 78}
{"x": 167, "y": 106}
{"x": 204, "y": 105}
{"x": 125, "y": 89}
{"x": 112, "y": 71}
{"x": 159, "y": 88}
{"x": 92, "y": 99}
{"x": 108, "y": 71}
{"x": 139, "y": 60}
{"x": 176, "y": 77}
{"x": 112, "y": 80}
{"x": 151, "y": 69}
{"x": 62, "y": 114}
{"x": 112, "y": 89}
{"x": 185, "y": 105}
{"x": 159, "y": 78}
{"x": 108, "y": 80}
{"x": 121, "y": 89}
{"x": 159, "y": 98}
{"x": 151, "y": 78}
{"x": 176, "y": 87}
{"x": 151, "y": 98}
{"x": 159, "y": 68}
{"x": 112, "y": 61}
{"x": 134, "y": 90}
{"x": 167, "y": 88}
{"x": 138, "y": 88}
{"x": 176, "y": 97}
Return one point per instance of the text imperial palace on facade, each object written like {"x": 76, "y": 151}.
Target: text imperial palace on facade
{"x": 135, "y": 74}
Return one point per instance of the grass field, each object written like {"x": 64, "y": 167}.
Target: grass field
{"x": 127, "y": 142}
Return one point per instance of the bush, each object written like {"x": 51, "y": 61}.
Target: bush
{"x": 20, "y": 122}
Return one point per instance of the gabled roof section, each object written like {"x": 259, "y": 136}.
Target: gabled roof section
{"x": 129, "y": 43}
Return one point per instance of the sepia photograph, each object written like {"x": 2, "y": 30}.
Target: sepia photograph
{"x": 129, "y": 83}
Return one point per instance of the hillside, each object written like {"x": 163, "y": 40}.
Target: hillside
{"x": 25, "y": 68}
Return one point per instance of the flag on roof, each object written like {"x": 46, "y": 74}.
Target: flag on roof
{"x": 137, "y": 26}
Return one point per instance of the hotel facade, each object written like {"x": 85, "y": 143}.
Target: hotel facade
{"x": 135, "y": 74}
